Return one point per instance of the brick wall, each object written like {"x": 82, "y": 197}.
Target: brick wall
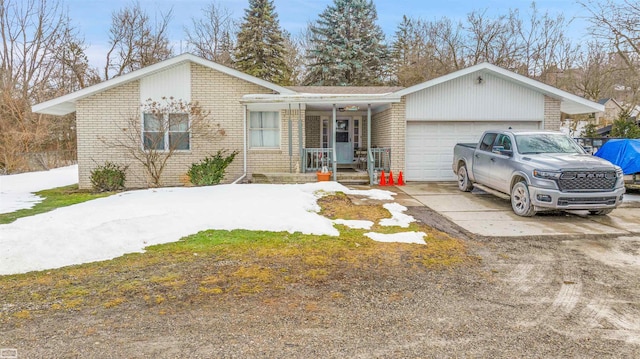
{"x": 312, "y": 131}
{"x": 388, "y": 129}
{"x": 101, "y": 119}
{"x": 278, "y": 160}
{"x": 552, "y": 119}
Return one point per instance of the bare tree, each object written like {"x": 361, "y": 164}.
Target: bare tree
{"x": 31, "y": 34}
{"x": 546, "y": 51}
{"x": 136, "y": 41}
{"x": 491, "y": 40}
{"x": 211, "y": 36}
{"x": 296, "y": 47}
{"x": 168, "y": 126}
{"x": 615, "y": 23}
{"x": 593, "y": 78}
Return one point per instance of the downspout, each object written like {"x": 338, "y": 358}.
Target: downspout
{"x": 290, "y": 143}
{"x": 369, "y": 155}
{"x": 244, "y": 142}
{"x": 300, "y": 136}
{"x": 334, "y": 158}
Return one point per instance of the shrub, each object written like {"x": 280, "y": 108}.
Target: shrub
{"x": 211, "y": 169}
{"x": 108, "y": 177}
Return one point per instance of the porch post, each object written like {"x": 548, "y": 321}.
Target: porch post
{"x": 290, "y": 143}
{"x": 300, "y": 137}
{"x": 334, "y": 159}
{"x": 369, "y": 162}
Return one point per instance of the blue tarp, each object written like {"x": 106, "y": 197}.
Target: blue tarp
{"x": 624, "y": 153}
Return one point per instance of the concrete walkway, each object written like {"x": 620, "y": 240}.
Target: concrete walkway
{"x": 486, "y": 215}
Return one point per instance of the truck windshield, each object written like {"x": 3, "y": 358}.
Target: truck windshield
{"x": 546, "y": 143}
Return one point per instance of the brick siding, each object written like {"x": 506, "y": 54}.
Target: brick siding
{"x": 101, "y": 118}
{"x": 552, "y": 119}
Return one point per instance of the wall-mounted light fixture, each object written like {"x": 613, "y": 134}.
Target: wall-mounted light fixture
{"x": 480, "y": 80}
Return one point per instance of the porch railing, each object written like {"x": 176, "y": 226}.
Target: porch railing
{"x": 314, "y": 158}
{"x": 380, "y": 158}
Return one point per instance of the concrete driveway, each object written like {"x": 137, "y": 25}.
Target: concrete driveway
{"x": 483, "y": 214}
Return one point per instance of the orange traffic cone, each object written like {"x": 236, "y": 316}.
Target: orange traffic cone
{"x": 400, "y": 179}
{"x": 383, "y": 179}
{"x": 391, "y": 178}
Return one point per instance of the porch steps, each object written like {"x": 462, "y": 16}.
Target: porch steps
{"x": 346, "y": 178}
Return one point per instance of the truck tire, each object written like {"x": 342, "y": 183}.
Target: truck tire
{"x": 521, "y": 201}
{"x": 601, "y": 212}
{"x": 464, "y": 184}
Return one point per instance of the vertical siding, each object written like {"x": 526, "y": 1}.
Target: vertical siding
{"x": 463, "y": 99}
{"x": 173, "y": 82}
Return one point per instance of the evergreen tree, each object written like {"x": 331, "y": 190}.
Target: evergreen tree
{"x": 408, "y": 53}
{"x": 347, "y": 46}
{"x": 260, "y": 47}
{"x": 625, "y": 126}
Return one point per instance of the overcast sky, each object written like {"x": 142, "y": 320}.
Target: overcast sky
{"x": 93, "y": 17}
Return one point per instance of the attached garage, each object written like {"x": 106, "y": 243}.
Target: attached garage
{"x": 460, "y": 106}
{"x": 430, "y": 145}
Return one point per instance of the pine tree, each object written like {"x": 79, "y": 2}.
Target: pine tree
{"x": 405, "y": 53}
{"x": 347, "y": 46}
{"x": 260, "y": 47}
{"x": 625, "y": 126}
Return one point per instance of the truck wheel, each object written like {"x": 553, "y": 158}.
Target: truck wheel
{"x": 520, "y": 200}
{"x": 464, "y": 184}
{"x": 601, "y": 212}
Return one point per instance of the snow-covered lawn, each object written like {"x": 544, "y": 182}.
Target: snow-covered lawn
{"x": 16, "y": 191}
{"x": 128, "y": 222}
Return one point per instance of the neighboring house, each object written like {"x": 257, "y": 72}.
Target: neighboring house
{"x": 280, "y": 129}
{"x": 612, "y": 109}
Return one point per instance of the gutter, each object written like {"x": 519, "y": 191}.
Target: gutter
{"x": 244, "y": 146}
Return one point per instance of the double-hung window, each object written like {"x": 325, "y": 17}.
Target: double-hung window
{"x": 264, "y": 129}
{"x": 166, "y": 132}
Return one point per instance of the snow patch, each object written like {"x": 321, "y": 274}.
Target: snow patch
{"x": 397, "y": 217}
{"x": 404, "y": 237}
{"x": 354, "y": 224}
{"x": 16, "y": 191}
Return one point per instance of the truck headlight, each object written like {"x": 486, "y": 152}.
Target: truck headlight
{"x": 619, "y": 176}
{"x": 550, "y": 175}
{"x": 619, "y": 172}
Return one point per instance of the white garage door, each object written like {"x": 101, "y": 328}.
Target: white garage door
{"x": 430, "y": 145}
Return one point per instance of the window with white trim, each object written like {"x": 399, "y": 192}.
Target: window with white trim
{"x": 166, "y": 132}
{"x": 264, "y": 129}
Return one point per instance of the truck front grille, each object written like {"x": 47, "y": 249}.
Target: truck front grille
{"x": 568, "y": 201}
{"x": 581, "y": 181}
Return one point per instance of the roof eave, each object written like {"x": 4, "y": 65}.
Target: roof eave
{"x": 315, "y": 99}
{"x": 66, "y": 104}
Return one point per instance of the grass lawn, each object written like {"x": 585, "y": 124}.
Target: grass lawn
{"x": 226, "y": 265}
{"x": 53, "y": 198}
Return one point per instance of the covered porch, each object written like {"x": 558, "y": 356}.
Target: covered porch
{"x": 340, "y": 133}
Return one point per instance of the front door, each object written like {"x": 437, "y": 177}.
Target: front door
{"x": 344, "y": 141}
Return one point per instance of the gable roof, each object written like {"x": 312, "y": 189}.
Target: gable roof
{"x": 603, "y": 101}
{"x": 569, "y": 103}
{"x": 66, "y": 104}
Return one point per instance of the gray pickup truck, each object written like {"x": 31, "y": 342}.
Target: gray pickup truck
{"x": 537, "y": 171}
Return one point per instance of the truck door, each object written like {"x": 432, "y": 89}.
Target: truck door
{"x": 482, "y": 159}
{"x": 500, "y": 174}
